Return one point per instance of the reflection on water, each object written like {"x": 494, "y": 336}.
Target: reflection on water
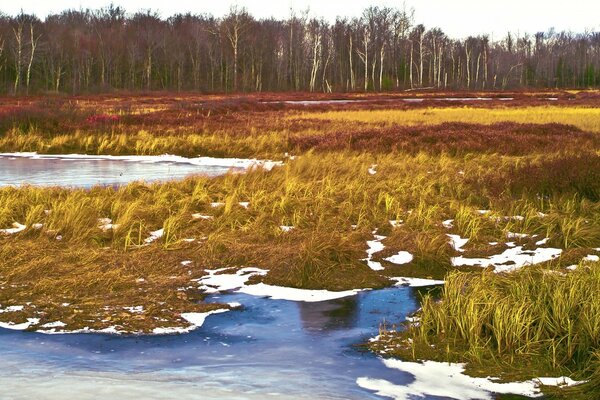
{"x": 268, "y": 349}
{"x": 329, "y": 315}
{"x": 86, "y": 173}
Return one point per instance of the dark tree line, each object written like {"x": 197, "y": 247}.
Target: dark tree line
{"x": 99, "y": 50}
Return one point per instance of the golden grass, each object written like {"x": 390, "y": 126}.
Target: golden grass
{"x": 585, "y": 118}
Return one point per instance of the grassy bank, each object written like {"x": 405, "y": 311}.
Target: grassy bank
{"x": 536, "y": 322}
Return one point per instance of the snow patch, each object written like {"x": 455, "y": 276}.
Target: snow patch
{"x": 154, "y": 236}
{"x": 403, "y": 257}
{"x": 375, "y": 246}
{"x": 563, "y": 381}
{"x": 448, "y": 224}
{"x": 20, "y": 327}
{"x": 457, "y": 242}
{"x": 416, "y": 282}
{"x": 12, "y": 309}
{"x": 293, "y": 294}
{"x": 16, "y": 228}
{"x": 511, "y": 259}
{"x": 217, "y": 281}
{"x": 444, "y": 380}
{"x": 105, "y": 224}
{"x": 200, "y": 216}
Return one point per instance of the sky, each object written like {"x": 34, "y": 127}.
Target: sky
{"x": 458, "y": 18}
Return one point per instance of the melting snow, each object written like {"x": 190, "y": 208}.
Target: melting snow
{"x": 457, "y": 242}
{"x": 16, "y": 228}
{"x": 55, "y": 324}
{"x": 217, "y": 281}
{"x": 375, "y": 246}
{"x": 416, "y": 282}
{"x": 105, "y": 224}
{"x": 444, "y": 380}
{"x": 293, "y": 294}
{"x": 20, "y": 327}
{"x": 448, "y": 224}
{"x": 511, "y": 259}
{"x": 11, "y": 309}
{"x": 200, "y": 216}
{"x": 403, "y": 257}
{"x": 562, "y": 381}
{"x": 155, "y": 236}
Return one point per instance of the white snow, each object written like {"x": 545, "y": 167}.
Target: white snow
{"x": 591, "y": 258}
{"x": 375, "y": 246}
{"x": 444, "y": 380}
{"x": 293, "y": 294}
{"x": 542, "y": 242}
{"x": 217, "y": 204}
{"x": 416, "y": 282}
{"x": 244, "y": 204}
{"x": 186, "y": 263}
{"x": 513, "y": 235}
{"x": 37, "y": 226}
{"x": 105, "y": 224}
{"x": 373, "y": 169}
{"x": 20, "y": 327}
{"x": 219, "y": 281}
{"x": 286, "y": 228}
{"x": 396, "y": 222}
{"x": 12, "y": 309}
{"x": 154, "y": 236}
{"x": 562, "y": 381}
{"x": 511, "y": 259}
{"x": 55, "y": 324}
{"x": 16, "y": 228}
{"x": 134, "y": 309}
{"x": 457, "y": 242}
{"x": 200, "y": 216}
{"x": 403, "y": 257}
{"x": 194, "y": 318}
{"x": 448, "y": 224}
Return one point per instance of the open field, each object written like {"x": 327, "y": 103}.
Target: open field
{"x": 473, "y": 191}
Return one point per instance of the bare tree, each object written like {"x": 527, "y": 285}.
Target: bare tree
{"x": 235, "y": 25}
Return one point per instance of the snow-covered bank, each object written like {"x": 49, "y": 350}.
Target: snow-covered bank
{"x": 219, "y": 281}
{"x": 449, "y": 381}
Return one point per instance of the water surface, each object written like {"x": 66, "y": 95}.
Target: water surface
{"x": 269, "y": 349}
{"x": 80, "y": 171}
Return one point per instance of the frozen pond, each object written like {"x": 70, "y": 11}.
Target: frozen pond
{"x": 268, "y": 349}
{"x": 405, "y": 100}
{"x": 86, "y": 171}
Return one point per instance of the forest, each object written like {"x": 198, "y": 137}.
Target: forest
{"x": 93, "y": 51}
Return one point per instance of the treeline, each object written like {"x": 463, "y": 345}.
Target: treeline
{"x": 384, "y": 49}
